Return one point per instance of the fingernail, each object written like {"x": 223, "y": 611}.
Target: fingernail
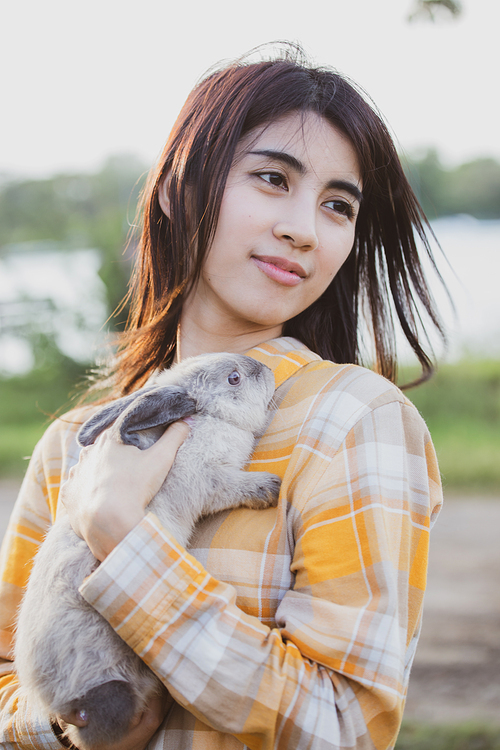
{"x": 189, "y": 420}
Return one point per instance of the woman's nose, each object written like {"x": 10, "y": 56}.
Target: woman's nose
{"x": 298, "y": 227}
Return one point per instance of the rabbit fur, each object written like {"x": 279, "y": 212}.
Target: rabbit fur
{"x": 67, "y": 656}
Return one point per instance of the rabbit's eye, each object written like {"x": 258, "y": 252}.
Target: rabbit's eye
{"x": 234, "y": 378}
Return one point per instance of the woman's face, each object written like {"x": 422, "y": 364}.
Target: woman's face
{"x": 285, "y": 228}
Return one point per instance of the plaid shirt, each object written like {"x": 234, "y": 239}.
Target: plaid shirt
{"x": 291, "y": 627}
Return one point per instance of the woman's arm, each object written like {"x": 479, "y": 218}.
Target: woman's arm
{"x": 20, "y": 726}
{"x": 117, "y": 482}
{"x": 334, "y": 672}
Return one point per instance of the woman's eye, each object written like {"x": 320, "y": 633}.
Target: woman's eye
{"x": 273, "y": 178}
{"x": 234, "y": 378}
{"x": 341, "y": 207}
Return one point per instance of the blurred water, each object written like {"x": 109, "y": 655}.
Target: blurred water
{"x": 61, "y": 292}
{"x": 472, "y": 249}
{"x": 45, "y": 288}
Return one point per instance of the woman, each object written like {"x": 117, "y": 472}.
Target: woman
{"x": 279, "y": 211}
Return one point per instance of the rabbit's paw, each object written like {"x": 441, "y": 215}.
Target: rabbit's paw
{"x": 104, "y": 714}
{"x": 266, "y": 490}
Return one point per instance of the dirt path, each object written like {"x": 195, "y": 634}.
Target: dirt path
{"x": 456, "y": 675}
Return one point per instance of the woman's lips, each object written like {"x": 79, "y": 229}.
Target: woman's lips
{"x": 280, "y": 269}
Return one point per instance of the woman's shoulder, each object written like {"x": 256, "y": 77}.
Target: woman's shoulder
{"x": 52, "y": 458}
{"x": 291, "y": 361}
{"x": 317, "y": 386}
{"x": 358, "y": 384}
{"x": 59, "y": 443}
{"x": 341, "y": 396}
{"x": 69, "y": 422}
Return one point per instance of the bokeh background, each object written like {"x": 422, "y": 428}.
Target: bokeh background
{"x": 89, "y": 93}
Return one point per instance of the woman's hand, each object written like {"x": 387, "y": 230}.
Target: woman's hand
{"x": 108, "y": 490}
{"x": 142, "y": 727}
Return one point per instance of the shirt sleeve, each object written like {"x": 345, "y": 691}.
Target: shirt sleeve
{"x": 21, "y": 727}
{"x": 333, "y": 673}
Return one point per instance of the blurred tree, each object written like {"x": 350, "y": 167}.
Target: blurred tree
{"x": 428, "y": 179}
{"x": 96, "y": 210}
{"x": 79, "y": 210}
{"x": 116, "y": 188}
{"x": 472, "y": 188}
{"x": 429, "y": 8}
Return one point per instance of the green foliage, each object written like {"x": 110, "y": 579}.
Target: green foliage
{"x": 416, "y": 736}
{"x": 467, "y": 390}
{"x": 94, "y": 210}
{"x": 16, "y": 446}
{"x": 461, "y": 405}
{"x": 29, "y": 403}
{"x": 472, "y": 188}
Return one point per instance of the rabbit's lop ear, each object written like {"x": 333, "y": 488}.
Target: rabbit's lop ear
{"x": 157, "y": 408}
{"x": 102, "y": 419}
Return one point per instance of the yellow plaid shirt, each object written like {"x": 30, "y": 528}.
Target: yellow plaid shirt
{"x": 291, "y": 627}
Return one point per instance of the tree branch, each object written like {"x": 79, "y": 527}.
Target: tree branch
{"x": 427, "y": 9}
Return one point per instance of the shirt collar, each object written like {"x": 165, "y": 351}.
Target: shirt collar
{"x": 284, "y": 356}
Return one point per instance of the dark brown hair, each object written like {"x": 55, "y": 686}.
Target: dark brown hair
{"x": 383, "y": 274}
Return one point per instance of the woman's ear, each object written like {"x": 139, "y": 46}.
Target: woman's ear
{"x": 163, "y": 198}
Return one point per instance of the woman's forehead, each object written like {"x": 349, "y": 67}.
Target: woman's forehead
{"x": 289, "y": 127}
{"x": 306, "y": 135}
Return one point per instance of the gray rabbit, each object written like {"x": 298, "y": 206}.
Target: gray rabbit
{"x": 68, "y": 658}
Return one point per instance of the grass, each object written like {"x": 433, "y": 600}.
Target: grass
{"x": 27, "y": 406}
{"x": 16, "y": 445}
{"x": 471, "y": 736}
{"x": 461, "y": 406}
{"x": 469, "y": 455}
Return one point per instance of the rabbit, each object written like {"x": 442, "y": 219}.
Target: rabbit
{"x": 67, "y": 656}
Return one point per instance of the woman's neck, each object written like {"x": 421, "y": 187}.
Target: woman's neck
{"x": 200, "y": 332}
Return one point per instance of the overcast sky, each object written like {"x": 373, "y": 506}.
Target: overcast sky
{"x": 83, "y": 80}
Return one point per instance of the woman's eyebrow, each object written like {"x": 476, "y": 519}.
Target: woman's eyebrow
{"x": 347, "y": 186}
{"x": 283, "y": 157}
{"x": 299, "y": 167}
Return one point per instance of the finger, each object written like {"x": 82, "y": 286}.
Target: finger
{"x": 171, "y": 440}
{"x": 180, "y": 429}
{"x": 160, "y": 457}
